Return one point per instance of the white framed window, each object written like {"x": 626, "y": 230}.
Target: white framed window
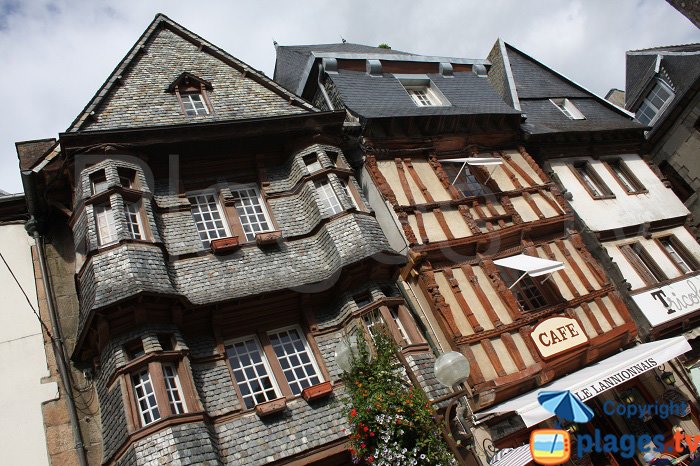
{"x": 329, "y": 200}
{"x": 104, "y": 221}
{"x": 402, "y": 330}
{"x": 98, "y": 182}
{"x": 145, "y": 397}
{"x": 568, "y": 108}
{"x": 133, "y": 220}
{"x": 251, "y": 371}
{"x": 312, "y": 163}
{"x": 678, "y": 254}
{"x": 373, "y": 321}
{"x": 348, "y": 192}
{"x": 251, "y": 210}
{"x": 654, "y": 103}
{"x": 295, "y": 358}
{"x": 194, "y": 104}
{"x": 173, "y": 389}
{"x": 388, "y": 319}
{"x": 208, "y": 217}
{"x": 422, "y": 91}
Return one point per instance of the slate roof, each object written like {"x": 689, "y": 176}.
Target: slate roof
{"x": 292, "y": 60}
{"x": 378, "y": 97}
{"x": 135, "y": 94}
{"x": 677, "y": 65}
{"x": 29, "y": 152}
{"x": 536, "y": 83}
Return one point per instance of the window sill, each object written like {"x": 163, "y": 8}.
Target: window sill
{"x": 598, "y": 198}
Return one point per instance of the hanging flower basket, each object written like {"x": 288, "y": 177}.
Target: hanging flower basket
{"x": 317, "y": 391}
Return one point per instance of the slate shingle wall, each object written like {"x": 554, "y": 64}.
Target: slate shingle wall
{"x": 250, "y": 440}
{"x": 142, "y": 100}
{"x": 215, "y": 387}
{"x": 179, "y": 445}
{"x": 287, "y": 176}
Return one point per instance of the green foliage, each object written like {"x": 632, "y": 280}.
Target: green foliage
{"x": 391, "y": 421}
{"x": 384, "y": 46}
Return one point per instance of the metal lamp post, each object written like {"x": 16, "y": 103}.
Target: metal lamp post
{"x": 451, "y": 369}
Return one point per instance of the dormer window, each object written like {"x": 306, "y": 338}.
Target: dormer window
{"x": 423, "y": 91}
{"x": 191, "y": 91}
{"x": 568, "y": 108}
{"x": 654, "y": 103}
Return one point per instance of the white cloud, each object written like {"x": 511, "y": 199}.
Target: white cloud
{"x": 55, "y": 55}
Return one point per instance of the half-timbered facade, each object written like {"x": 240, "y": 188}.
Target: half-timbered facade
{"x": 631, "y": 221}
{"x": 445, "y": 167}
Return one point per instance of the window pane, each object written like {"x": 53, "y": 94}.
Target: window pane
{"x": 104, "y": 221}
{"x": 329, "y": 201}
{"x": 204, "y": 206}
{"x": 250, "y": 211}
{"x": 293, "y": 356}
{"x": 525, "y": 290}
{"x": 133, "y": 220}
{"x": 254, "y": 381}
{"x": 145, "y": 397}
{"x": 194, "y": 104}
{"x": 172, "y": 387}
{"x": 421, "y": 96}
{"x": 466, "y": 182}
{"x": 99, "y": 182}
{"x": 675, "y": 254}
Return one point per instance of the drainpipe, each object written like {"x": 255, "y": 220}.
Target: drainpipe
{"x": 322, "y": 88}
{"x": 56, "y": 337}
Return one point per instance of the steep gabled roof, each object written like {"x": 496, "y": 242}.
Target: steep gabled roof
{"x": 292, "y": 60}
{"x": 521, "y": 78}
{"x": 134, "y": 95}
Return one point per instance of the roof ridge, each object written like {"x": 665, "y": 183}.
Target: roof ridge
{"x": 661, "y": 48}
{"x": 159, "y": 21}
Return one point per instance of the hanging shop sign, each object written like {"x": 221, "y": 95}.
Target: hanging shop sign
{"x": 668, "y": 302}
{"x": 556, "y": 335}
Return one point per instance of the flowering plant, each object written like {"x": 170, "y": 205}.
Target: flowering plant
{"x": 391, "y": 421}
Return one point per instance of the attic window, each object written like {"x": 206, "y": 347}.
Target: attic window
{"x": 423, "y": 91}
{"x": 568, "y": 108}
{"x": 193, "y": 104}
{"x": 654, "y": 103}
{"x": 191, "y": 91}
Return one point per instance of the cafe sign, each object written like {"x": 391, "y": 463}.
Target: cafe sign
{"x": 668, "y": 302}
{"x": 556, "y": 335}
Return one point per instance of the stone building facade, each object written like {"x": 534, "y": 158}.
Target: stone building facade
{"x": 217, "y": 246}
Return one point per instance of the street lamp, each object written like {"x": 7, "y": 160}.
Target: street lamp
{"x": 347, "y": 351}
{"x": 451, "y": 369}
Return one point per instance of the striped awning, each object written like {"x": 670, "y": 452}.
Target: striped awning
{"x": 512, "y": 457}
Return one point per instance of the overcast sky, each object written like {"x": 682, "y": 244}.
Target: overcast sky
{"x": 55, "y": 54}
